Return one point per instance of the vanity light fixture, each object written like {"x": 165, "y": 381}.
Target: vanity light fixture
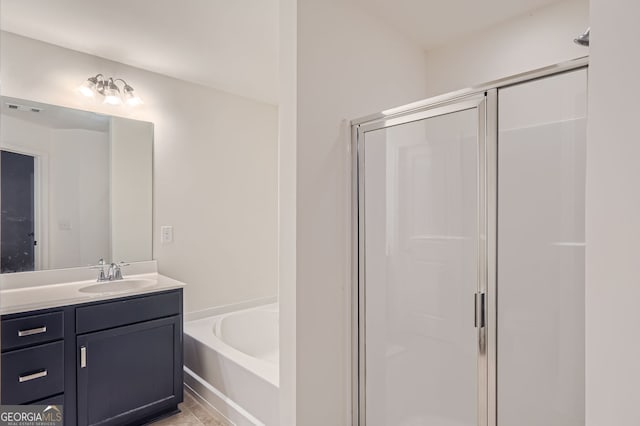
{"x": 108, "y": 88}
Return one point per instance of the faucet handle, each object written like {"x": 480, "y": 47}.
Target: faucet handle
{"x": 121, "y": 264}
{"x": 115, "y": 273}
{"x": 100, "y": 265}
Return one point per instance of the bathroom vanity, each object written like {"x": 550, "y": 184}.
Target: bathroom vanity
{"x": 108, "y": 358}
{"x": 77, "y": 187}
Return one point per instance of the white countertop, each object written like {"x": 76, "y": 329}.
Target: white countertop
{"x": 16, "y": 300}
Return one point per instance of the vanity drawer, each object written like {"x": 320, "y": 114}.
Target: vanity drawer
{"x": 54, "y": 400}
{"x": 33, "y": 373}
{"x": 31, "y": 330}
{"x": 125, "y": 312}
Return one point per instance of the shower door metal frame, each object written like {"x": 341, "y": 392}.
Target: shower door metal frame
{"x": 482, "y": 104}
{"x": 485, "y": 98}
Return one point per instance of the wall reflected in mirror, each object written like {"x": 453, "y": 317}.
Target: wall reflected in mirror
{"x": 75, "y": 187}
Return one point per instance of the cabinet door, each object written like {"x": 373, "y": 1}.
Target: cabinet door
{"x": 129, "y": 373}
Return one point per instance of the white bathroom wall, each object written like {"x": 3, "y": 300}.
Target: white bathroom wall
{"x": 215, "y": 167}
{"x": 540, "y": 38}
{"x": 346, "y": 64}
{"x": 287, "y": 171}
{"x": 77, "y": 180}
{"x": 24, "y": 134}
{"x": 613, "y": 216}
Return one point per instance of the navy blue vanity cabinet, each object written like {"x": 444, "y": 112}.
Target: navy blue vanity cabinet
{"x": 113, "y": 362}
{"x": 131, "y": 373}
{"x": 32, "y": 357}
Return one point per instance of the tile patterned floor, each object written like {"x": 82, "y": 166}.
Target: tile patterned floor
{"x": 193, "y": 414}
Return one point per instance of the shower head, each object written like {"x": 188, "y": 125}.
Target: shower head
{"x": 583, "y": 39}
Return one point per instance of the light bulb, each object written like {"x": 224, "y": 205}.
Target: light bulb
{"x": 112, "y": 94}
{"x": 130, "y": 96}
{"x": 86, "y": 91}
{"x": 88, "y": 88}
{"x": 112, "y": 99}
{"x": 135, "y": 101}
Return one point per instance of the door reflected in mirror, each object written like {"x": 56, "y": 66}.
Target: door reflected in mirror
{"x": 75, "y": 186}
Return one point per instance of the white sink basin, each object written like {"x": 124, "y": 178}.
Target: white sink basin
{"x": 118, "y": 286}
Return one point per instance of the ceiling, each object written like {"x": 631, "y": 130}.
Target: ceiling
{"x": 53, "y": 117}
{"x": 229, "y": 45}
{"x": 432, "y": 23}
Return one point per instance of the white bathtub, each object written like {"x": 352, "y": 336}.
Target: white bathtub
{"x": 231, "y": 360}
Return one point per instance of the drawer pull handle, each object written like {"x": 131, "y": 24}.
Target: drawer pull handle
{"x": 33, "y": 376}
{"x": 39, "y": 330}
{"x": 83, "y": 357}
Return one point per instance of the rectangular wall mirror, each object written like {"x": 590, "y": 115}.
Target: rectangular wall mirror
{"x": 75, "y": 187}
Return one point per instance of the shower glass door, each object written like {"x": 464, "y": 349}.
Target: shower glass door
{"x": 421, "y": 217}
{"x": 541, "y": 247}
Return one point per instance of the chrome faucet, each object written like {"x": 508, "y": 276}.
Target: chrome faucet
{"x": 113, "y": 274}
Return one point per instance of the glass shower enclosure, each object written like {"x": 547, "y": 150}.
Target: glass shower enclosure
{"x": 469, "y": 257}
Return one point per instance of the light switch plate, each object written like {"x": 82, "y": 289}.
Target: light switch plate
{"x": 64, "y": 225}
{"x": 166, "y": 234}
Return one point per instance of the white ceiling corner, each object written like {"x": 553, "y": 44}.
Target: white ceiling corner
{"x": 226, "y": 45}
{"x": 433, "y": 23}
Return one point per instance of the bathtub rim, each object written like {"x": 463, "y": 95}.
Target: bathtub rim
{"x": 202, "y": 330}
{"x": 232, "y": 307}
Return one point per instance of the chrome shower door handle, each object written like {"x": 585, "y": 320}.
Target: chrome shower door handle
{"x": 479, "y": 320}
{"x": 479, "y": 317}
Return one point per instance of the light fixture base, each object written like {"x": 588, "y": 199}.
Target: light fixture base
{"x": 108, "y": 88}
